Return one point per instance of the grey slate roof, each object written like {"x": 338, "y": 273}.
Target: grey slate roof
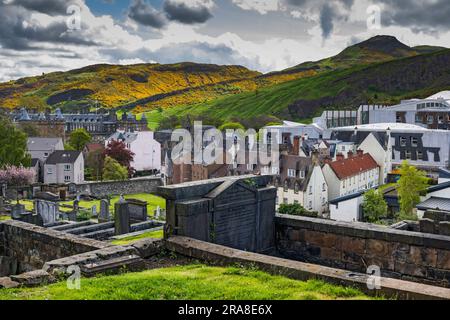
{"x": 435, "y": 203}
{"x": 39, "y": 144}
{"x": 61, "y": 157}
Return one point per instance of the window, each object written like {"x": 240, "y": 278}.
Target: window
{"x": 430, "y": 119}
{"x": 291, "y": 173}
{"x": 274, "y": 170}
{"x": 310, "y": 205}
{"x": 419, "y": 155}
{"x": 402, "y": 141}
{"x": 441, "y": 119}
{"x": 285, "y": 200}
{"x": 310, "y": 189}
{"x": 418, "y": 118}
{"x": 302, "y": 174}
{"x": 67, "y": 167}
{"x": 46, "y": 154}
{"x": 67, "y": 179}
{"x": 324, "y": 187}
{"x": 324, "y": 201}
{"x": 296, "y": 188}
{"x": 49, "y": 170}
{"x": 286, "y": 186}
{"x": 414, "y": 141}
{"x": 408, "y": 155}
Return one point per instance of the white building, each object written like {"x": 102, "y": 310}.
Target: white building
{"x": 286, "y": 132}
{"x": 347, "y": 208}
{"x": 147, "y": 151}
{"x": 302, "y": 181}
{"x": 64, "y": 167}
{"x": 348, "y": 176}
{"x": 381, "y": 153}
{"x": 42, "y": 148}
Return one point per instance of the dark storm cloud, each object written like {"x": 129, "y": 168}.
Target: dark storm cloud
{"x": 181, "y": 12}
{"x": 145, "y": 14}
{"x": 327, "y": 16}
{"x": 419, "y": 15}
{"x": 50, "y": 7}
{"x": 17, "y": 31}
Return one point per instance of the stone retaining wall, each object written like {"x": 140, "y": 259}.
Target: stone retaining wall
{"x": 103, "y": 189}
{"x": 33, "y": 246}
{"x": 356, "y": 246}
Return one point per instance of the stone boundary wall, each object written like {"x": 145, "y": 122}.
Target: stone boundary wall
{"x": 103, "y": 189}
{"x": 33, "y": 246}
{"x": 220, "y": 255}
{"x": 356, "y": 246}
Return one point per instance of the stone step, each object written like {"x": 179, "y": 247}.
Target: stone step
{"x": 114, "y": 265}
{"x": 69, "y": 226}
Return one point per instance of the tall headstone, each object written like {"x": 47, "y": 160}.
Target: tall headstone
{"x": 94, "y": 211}
{"x": 76, "y": 205}
{"x": 121, "y": 217}
{"x": 48, "y": 211}
{"x": 104, "y": 211}
{"x": 17, "y": 210}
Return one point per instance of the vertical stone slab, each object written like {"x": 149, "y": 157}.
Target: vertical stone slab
{"x": 104, "y": 211}
{"x": 121, "y": 218}
{"x": 444, "y": 228}
{"x": 427, "y": 226}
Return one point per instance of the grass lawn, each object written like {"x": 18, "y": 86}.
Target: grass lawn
{"x": 188, "y": 282}
{"x": 153, "y": 203}
{"x": 4, "y": 218}
{"x": 147, "y": 235}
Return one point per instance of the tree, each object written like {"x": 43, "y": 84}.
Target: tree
{"x": 112, "y": 170}
{"x": 296, "y": 210}
{"x": 411, "y": 185}
{"x": 119, "y": 152}
{"x": 13, "y": 145}
{"x": 374, "y": 206}
{"x": 17, "y": 176}
{"x": 79, "y": 139}
{"x": 231, "y": 126}
{"x": 94, "y": 162}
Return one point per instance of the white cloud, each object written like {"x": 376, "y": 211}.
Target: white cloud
{"x": 262, "y": 6}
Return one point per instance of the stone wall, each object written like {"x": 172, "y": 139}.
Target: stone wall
{"x": 33, "y": 246}
{"x": 103, "y": 189}
{"x": 356, "y": 246}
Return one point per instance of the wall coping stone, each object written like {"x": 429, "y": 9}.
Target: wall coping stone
{"x": 365, "y": 231}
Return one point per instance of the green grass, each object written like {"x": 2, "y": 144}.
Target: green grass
{"x": 4, "y": 218}
{"x": 147, "y": 235}
{"x": 191, "y": 282}
{"x": 153, "y": 203}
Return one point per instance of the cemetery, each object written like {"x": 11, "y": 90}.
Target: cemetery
{"x": 218, "y": 223}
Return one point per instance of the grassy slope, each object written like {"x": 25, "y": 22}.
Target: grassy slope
{"x": 275, "y": 100}
{"x": 188, "y": 282}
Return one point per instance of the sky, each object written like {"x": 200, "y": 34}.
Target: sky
{"x": 41, "y": 36}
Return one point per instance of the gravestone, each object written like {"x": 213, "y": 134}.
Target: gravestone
{"x": 138, "y": 210}
{"x": 17, "y": 210}
{"x": 104, "y": 212}
{"x": 48, "y": 196}
{"x": 94, "y": 211}
{"x": 157, "y": 213}
{"x": 2, "y": 205}
{"x": 76, "y": 205}
{"x": 121, "y": 218}
{"x": 48, "y": 211}
{"x": 427, "y": 226}
{"x": 444, "y": 228}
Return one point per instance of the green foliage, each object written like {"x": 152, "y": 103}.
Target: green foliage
{"x": 231, "y": 126}
{"x": 68, "y": 147}
{"x": 146, "y": 235}
{"x": 79, "y": 139}
{"x": 112, "y": 170}
{"x": 374, "y": 206}
{"x": 83, "y": 215}
{"x": 296, "y": 210}
{"x": 13, "y": 145}
{"x": 29, "y": 129}
{"x": 411, "y": 185}
{"x": 191, "y": 282}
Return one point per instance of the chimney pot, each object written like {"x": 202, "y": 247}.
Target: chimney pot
{"x": 339, "y": 157}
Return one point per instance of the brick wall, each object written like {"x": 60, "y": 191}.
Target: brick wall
{"x": 32, "y": 246}
{"x": 356, "y": 246}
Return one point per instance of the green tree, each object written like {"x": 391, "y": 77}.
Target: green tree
{"x": 374, "y": 206}
{"x": 79, "y": 138}
{"x": 13, "y": 145}
{"x": 29, "y": 129}
{"x": 231, "y": 126}
{"x": 112, "y": 170}
{"x": 296, "y": 210}
{"x": 411, "y": 185}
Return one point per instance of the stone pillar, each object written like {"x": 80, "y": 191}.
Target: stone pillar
{"x": 427, "y": 226}
{"x": 121, "y": 218}
{"x": 444, "y": 228}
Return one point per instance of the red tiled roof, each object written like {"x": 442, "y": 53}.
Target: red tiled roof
{"x": 353, "y": 166}
{"x": 94, "y": 147}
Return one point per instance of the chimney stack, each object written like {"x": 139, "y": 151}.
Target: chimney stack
{"x": 360, "y": 153}
{"x": 296, "y": 149}
{"x": 350, "y": 154}
{"x": 327, "y": 160}
{"x": 339, "y": 157}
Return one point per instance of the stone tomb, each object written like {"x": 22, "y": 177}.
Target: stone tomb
{"x": 138, "y": 210}
{"x": 237, "y": 212}
{"x": 48, "y": 211}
